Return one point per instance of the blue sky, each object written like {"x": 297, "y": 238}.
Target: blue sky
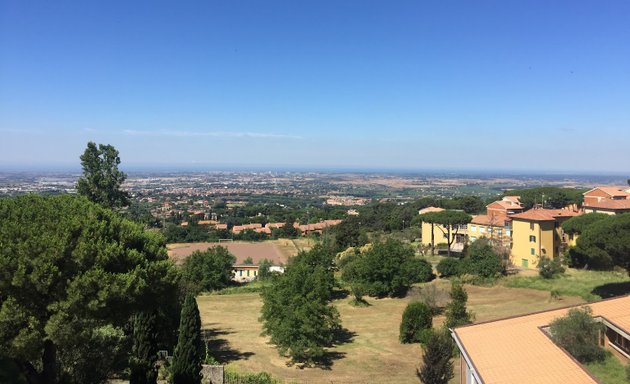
{"x": 511, "y": 85}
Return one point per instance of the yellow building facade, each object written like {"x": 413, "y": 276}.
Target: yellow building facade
{"x": 537, "y": 233}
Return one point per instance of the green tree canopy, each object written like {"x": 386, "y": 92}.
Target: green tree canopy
{"x": 297, "y": 313}
{"x": 604, "y": 244}
{"x": 437, "y": 367}
{"x": 189, "y": 351}
{"x": 578, "y": 224}
{"x": 578, "y": 333}
{"x": 387, "y": 269}
{"x": 72, "y": 275}
{"x": 482, "y": 260}
{"x": 449, "y": 219}
{"x": 208, "y": 270}
{"x": 416, "y": 324}
{"x": 456, "y": 312}
{"x": 554, "y": 197}
{"x": 102, "y": 181}
{"x": 144, "y": 349}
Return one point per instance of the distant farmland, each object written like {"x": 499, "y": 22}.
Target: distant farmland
{"x": 278, "y": 251}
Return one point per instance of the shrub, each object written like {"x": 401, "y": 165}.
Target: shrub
{"x": 578, "y": 333}
{"x": 437, "y": 367}
{"x": 483, "y": 261}
{"x": 208, "y": 270}
{"x": 434, "y": 296}
{"x": 549, "y": 268}
{"x": 456, "y": 312}
{"x": 416, "y": 324}
{"x": 449, "y": 267}
{"x": 387, "y": 269}
{"x": 249, "y": 378}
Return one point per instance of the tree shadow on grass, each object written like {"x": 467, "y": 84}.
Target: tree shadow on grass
{"x": 340, "y": 294}
{"x": 341, "y": 336}
{"x": 326, "y": 361}
{"x": 612, "y": 289}
{"x": 220, "y": 349}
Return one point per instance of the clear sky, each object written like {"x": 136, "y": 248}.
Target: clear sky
{"x": 517, "y": 85}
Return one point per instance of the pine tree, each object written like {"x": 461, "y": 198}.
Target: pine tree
{"x": 144, "y": 350}
{"x": 456, "y": 313}
{"x": 189, "y": 350}
{"x": 437, "y": 366}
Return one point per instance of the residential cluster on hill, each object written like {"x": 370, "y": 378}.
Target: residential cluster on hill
{"x": 527, "y": 234}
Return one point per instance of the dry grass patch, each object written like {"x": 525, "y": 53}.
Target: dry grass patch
{"x": 372, "y": 355}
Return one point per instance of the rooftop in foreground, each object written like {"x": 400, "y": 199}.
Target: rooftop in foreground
{"x": 516, "y": 350}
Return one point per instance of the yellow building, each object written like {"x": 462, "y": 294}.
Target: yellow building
{"x": 439, "y": 233}
{"x": 536, "y": 233}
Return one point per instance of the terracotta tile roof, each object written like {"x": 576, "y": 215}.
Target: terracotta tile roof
{"x": 514, "y": 199}
{"x": 611, "y": 191}
{"x": 608, "y": 204}
{"x": 517, "y": 351}
{"x": 544, "y": 214}
{"x": 508, "y": 202}
{"x": 491, "y": 220}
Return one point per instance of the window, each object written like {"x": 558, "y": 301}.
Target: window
{"x": 473, "y": 228}
{"x": 531, "y": 226}
{"x": 618, "y": 340}
{"x": 482, "y": 229}
{"x": 248, "y": 273}
{"x": 532, "y": 251}
{"x": 473, "y": 238}
{"x": 240, "y": 273}
{"x": 532, "y": 239}
{"x": 525, "y": 263}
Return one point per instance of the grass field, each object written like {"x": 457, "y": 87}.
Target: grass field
{"x": 609, "y": 371}
{"x": 372, "y": 353}
{"x": 589, "y": 285}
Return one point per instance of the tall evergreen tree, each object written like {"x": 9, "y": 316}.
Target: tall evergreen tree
{"x": 189, "y": 350}
{"x": 456, "y": 312}
{"x": 101, "y": 181}
{"x": 437, "y": 366}
{"x": 144, "y": 349}
{"x": 297, "y": 312}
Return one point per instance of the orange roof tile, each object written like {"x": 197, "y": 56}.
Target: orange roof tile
{"x": 491, "y": 220}
{"x": 611, "y": 191}
{"x": 609, "y": 204}
{"x": 544, "y": 214}
{"x": 516, "y": 350}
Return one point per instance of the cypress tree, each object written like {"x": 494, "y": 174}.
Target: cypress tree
{"x": 437, "y": 366}
{"x": 456, "y": 312}
{"x": 144, "y": 350}
{"x": 189, "y": 350}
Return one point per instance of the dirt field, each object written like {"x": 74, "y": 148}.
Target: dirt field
{"x": 278, "y": 251}
{"x": 373, "y": 353}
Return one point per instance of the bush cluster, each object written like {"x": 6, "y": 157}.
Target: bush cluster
{"x": 480, "y": 260}
{"x": 416, "y": 324}
{"x": 549, "y": 268}
{"x": 387, "y": 269}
